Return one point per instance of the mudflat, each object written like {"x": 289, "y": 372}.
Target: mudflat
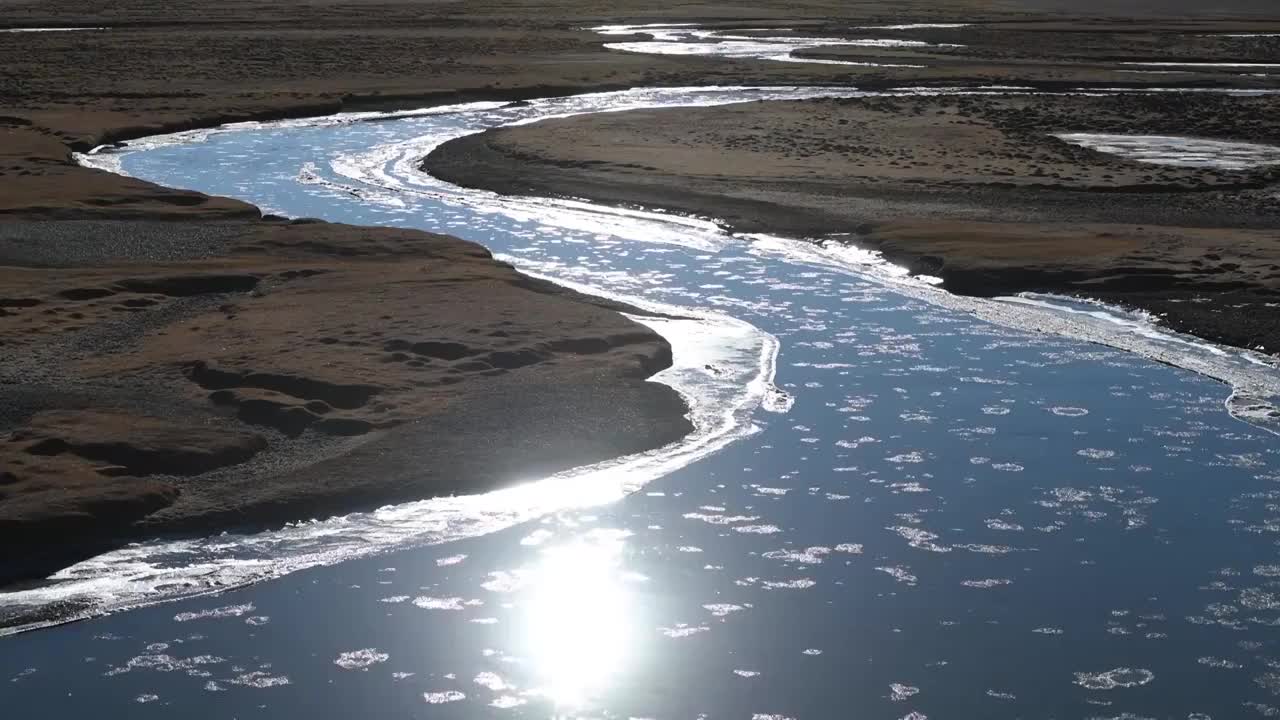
{"x": 175, "y": 363}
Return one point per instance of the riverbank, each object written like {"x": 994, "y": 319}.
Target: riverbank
{"x": 977, "y": 190}
{"x": 232, "y": 373}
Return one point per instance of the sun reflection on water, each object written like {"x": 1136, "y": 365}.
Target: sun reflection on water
{"x": 580, "y": 621}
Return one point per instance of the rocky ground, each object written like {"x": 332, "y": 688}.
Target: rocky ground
{"x": 174, "y": 363}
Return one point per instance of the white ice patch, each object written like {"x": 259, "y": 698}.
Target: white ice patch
{"x": 215, "y": 613}
{"x": 1204, "y": 65}
{"x": 1179, "y": 151}
{"x": 434, "y": 603}
{"x": 722, "y": 402}
{"x": 360, "y": 659}
{"x": 50, "y": 29}
{"x": 1258, "y": 411}
{"x": 446, "y": 696}
{"x": 915, "y": 26}
{"x": 691, "y": 40}
{"x": 986, "y": 583}
{"x": 1122, "y": 677}
{"x": 777, "y": 400}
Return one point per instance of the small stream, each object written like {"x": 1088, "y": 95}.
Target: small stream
{"x": 897, "y": 503}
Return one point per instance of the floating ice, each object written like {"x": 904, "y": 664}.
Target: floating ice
{"x": 796, "y": 584}
{"x": 919, "y": 539}
{"x": 360, "y": 659}
{"x": 899, "y": 692}
{"x": 432, "y": 603}
{"x": 691, "y": 40}
{"x": 807, "y": 556}
{"x": 986, "y": 583}
{"x": 259, "y": 679}
{"x": 683, "y": 631}
{"x": 722, "y": 609}
{"x": 215, "y": 613}
{"x": 1121, "y": 677}
{"x": 447, "y": 696}
{"x": 758, "y": 529}
{"x": 899, "y": 573}
{"x": 916, "y": 26}
{"x": 492, "y": 681}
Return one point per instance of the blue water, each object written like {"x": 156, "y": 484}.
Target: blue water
{"x": 955, "y": 519}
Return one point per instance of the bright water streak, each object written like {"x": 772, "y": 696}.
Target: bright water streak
{"x": 1179, "y": 151}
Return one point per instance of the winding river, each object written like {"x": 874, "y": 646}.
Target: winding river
{"x": 897, "y": 503}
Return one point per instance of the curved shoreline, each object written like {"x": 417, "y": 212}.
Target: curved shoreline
{"x": 320, "y": 473}
{"x": 952, "y": 238}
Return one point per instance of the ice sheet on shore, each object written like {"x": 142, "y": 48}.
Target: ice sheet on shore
{"x": 50, "y": 29}
{"x": 690, "y": 40}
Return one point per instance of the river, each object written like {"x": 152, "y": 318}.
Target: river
{"x": 897, "y": 503}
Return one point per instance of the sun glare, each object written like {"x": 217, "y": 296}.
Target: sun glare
{"x": 579, "y": 620}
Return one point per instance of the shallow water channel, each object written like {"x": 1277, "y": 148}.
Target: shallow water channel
{"x": 897, "y": 504}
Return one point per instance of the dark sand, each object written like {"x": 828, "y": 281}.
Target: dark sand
{"x": 174, "y": 363}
